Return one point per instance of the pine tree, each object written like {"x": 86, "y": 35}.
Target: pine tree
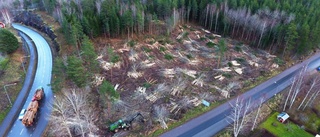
{"x": 75, "y": 71}
{"x": 290, "y": 38}
{"x": 8, "y": 42}
{"x": 89, "y": 55}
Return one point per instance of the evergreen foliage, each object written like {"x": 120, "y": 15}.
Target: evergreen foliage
{"x": 58, "y": 74}
{"x": 76, "y": 71}
{"x": 89, "y": 55}
{"x": 8, "y": 42}
{"x": 265, "y": 24}
{"x": 106, "y": 89}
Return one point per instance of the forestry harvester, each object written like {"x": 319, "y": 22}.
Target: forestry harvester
{"x": 124, "y": 124}
{"x": 32, "y": 109}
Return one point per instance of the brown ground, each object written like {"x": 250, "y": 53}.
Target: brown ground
{"x": 13, "y": 74}
{"x": 154, "y": 52}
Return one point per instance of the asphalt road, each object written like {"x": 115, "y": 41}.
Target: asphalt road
{"x": 42, "y": 78}
{"x": 217, "y": 119}
{"x": 21, "y": 98}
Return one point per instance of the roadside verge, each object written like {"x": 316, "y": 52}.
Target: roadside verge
{"x": 29, "y": 77}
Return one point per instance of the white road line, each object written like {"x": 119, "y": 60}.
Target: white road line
{"x": 21, "y": 131}
{"x": 30, "y": 135}
{"x": 14, "y": 125}
{"x": 10, "y": 131}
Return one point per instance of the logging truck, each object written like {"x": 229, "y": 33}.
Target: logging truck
{"x": 31, "y": 112}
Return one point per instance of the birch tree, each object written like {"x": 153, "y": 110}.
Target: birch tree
{"x": 257, "y": 114}
{"x": 295, "y": 88}
{"x": 314, "y": 82}
{"x": 238, "y": 115}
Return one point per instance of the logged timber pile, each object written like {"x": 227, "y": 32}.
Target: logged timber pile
{"x": 32, "y": 109}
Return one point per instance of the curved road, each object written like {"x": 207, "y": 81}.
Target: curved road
{"x": 42, "y": 78}
{"x": 215, "y": 120}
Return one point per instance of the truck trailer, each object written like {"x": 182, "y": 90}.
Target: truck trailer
{"x": 31, "y": 113}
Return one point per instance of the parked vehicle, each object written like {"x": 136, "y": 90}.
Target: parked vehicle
{"x": 23, "y": 111}
{"x": 33, "y": 107}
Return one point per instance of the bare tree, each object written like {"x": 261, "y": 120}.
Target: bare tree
{"x": 298, "y": 86}
{"x": 98, "y": 6}
{"x": 287, "y": 99}
{"x": 314, "y": 81}
{"x": 60, "y": 117}
{"x": 161, "y": 114}
{"x": 312, "y": 98}
{"x": 72, "y": 114}
{"x": 238, "y": 115}
{"x": 7, "y": 16}
{"x": 313, "y": 95}
{"x": 257, "y": 114}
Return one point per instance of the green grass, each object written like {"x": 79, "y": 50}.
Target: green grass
{"x": 4, "y": 113}
{"x": 283, "y": 130}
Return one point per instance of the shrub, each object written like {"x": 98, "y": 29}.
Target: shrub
{"x": 131, "y": 43}
{"x": 107, "y": 89}
{"x": 240, "y": 60}
{"x": 113, "y": 57}
{"x": 238, "y": 48}
{"x": 162, "y": 49}
{"x": 146, "y": 49}
{"x": 210, "y": 44}
{"x": 168, "y": 56}
{"x": 278, "y": 61}
{"x": 147, "y": 85}
{"x": 227, "y": 75}
{"x": 189, "y": 56}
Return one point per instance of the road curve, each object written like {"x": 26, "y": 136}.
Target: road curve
{"x": 21, "y": 98}
{"x": 42, "y": 78}
{"x": 215, "y": 120}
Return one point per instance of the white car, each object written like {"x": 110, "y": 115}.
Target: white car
{"x": 21, "y": 114}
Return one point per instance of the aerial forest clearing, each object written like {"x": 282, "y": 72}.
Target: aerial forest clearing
{"x": 163, "y": 78}
{"x": 163, "y": 60}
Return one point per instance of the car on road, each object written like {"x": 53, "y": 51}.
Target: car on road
{"x": 318, "y": 68}
{"x": 23, "y": 111}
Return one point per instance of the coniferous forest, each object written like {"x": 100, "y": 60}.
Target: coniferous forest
{"x": 282, "y": 27}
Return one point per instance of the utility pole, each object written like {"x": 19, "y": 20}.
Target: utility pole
{"x": 7, "y": 92}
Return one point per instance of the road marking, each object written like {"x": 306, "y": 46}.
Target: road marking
{"x": 21, "y": 131}
{"x": 30, "y": 135}
{"x": 14, "y": 125}
{"x": 10, "y": 131}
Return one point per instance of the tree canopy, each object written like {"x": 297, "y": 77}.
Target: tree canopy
{"x": 8, "y": 42}
{"x": 264, "y": 24}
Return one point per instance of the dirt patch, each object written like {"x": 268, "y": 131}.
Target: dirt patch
{"x": 12, "y": 74}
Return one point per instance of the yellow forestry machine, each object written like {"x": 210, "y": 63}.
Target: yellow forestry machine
{"x": 32, "y": 109}
{"x": 124, "y": 124}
